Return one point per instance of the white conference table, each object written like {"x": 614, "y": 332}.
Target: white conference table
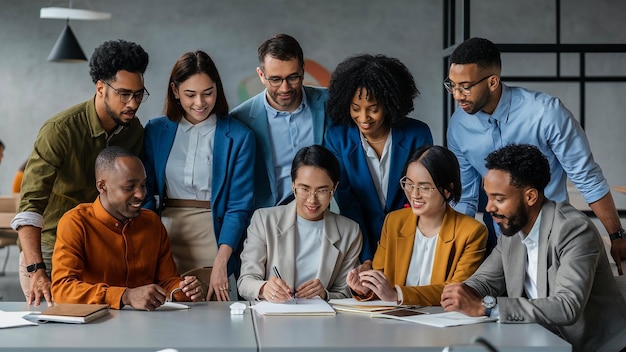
{"x": 208, "y": 326}
{"x": 204, "y": 327}
{"x": 357, "y": 332}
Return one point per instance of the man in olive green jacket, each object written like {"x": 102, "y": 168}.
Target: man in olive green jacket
{"x": 60, "y": 171}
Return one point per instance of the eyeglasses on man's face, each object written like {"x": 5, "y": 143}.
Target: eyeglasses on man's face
{"x": 320, "y": 194}
{"x": 467, "y": 90}
{"x": 409, "y": 187}
{"x": 126, "y": 96}
{"x": 292, "y": 80}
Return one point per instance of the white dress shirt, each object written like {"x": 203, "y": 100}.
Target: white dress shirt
{"x": 422, "y": 259}
{"x": 189, "y": 169}
{"x": 379, "y": 169}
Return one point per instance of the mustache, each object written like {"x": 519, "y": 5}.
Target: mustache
{"x": 497, "y": 216}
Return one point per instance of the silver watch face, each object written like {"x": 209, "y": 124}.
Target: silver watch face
{"x": 489, "y": 302}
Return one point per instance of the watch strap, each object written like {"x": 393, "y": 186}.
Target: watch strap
{"x": 619, "y": 234}
{"x": 488, "y": 312}
{"x": 36, "y": 266}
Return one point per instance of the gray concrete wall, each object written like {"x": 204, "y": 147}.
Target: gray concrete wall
{"x": 32, "y": 89}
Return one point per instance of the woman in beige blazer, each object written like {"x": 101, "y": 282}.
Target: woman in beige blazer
{"x": 426, "y": 246}
{"x": 311, "y": 248}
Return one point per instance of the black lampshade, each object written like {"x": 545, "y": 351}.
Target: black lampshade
{"x": 66, "y": 48}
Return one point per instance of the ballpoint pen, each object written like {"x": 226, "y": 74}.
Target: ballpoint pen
{"x": 277, "y": 274}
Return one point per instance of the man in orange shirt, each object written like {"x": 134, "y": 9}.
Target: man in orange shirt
{"x": 112, "y": 251}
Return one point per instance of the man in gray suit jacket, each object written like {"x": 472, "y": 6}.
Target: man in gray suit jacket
{"x": 285, "y": 117}
{"x": 549, "y": 267}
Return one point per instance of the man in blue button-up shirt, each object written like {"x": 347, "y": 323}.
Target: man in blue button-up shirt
{"x": 492, "y": 115}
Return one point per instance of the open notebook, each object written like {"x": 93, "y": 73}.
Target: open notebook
{"x": 313, "y": 306}
{"x": 72, "y": 313}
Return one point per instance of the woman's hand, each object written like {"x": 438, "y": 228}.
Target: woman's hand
{"x": 376, "y": 281}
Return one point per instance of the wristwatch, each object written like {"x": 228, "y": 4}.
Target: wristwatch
{"x": 34, "y": 267}
{"x": 619, "y": 234}
{"x": 489, "y": 302}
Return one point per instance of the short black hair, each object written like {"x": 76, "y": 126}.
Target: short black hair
{"x": 319, "y": 157}
{"x": 525, "y": 163}
{"x": 443, "y": 167}
{"x": 479, "y": 51}
{"x": 282, "y": 47}
{"x": 117, "y": 55}
{"x": 386, "y": 79}
{"x": 106, "y": 158}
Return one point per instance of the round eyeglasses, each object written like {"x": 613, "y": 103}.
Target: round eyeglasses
{"x": 126, "y": 96}
{"x": 320, "y": 194}
{"x": 410, "y": 187}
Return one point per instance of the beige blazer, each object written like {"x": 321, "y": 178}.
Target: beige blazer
{"x": 271, "y": 240}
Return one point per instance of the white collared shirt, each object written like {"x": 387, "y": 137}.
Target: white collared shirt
{"x": 379, "y": 169}
{"x": 531, "y": 241}
{"x": 189, "y": 169}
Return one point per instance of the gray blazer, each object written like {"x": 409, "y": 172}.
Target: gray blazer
{"x": 271, "y": 241}
{"x": 578, "y": 297}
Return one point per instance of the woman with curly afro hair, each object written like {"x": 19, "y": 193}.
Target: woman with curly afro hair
{"x": 370, "y": 97}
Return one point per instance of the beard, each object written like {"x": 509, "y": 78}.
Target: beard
{"x": 515, "y": 223}
{"x": 114, "y": 116}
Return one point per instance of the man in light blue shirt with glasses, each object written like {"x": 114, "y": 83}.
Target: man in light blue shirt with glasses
{"x": 492, "y": 115}
{"x": 285, "y": 117}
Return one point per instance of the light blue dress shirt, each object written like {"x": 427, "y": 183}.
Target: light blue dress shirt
{"x": 525, "y": 117}
{"x": 289, "y": 132}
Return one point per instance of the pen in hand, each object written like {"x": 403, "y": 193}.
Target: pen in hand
{"x": 277, "y": 274}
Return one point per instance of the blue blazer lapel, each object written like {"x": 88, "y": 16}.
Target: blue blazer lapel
{"x": 357, "y": 162}
{"x": 318, "y": 113}
{"x": 261, "y": 126}
{"x": 399, "y": 155}
{"x": 166, "y": 140}
{"x": 222, "y": 145}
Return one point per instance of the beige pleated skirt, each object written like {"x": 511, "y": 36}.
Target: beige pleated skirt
{"x": 191, "y": 236}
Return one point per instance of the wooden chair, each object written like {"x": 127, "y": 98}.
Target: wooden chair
{"x": 204, "y": 275}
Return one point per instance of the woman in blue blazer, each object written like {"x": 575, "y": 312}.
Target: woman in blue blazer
{"x": 199, "y": 163}
{"x": 369, "y": 101}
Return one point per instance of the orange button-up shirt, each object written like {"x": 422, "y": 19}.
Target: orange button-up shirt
{"x": 96, "y": 257}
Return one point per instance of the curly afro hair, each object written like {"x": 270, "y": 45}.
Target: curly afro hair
{"x": 525, "y": 163}
{"x": 113, "y": 56}
{"x": 386, "y": 80}
{"x": 479, "y": 51}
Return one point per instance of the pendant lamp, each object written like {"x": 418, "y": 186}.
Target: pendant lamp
{"x": 66, "y": 48}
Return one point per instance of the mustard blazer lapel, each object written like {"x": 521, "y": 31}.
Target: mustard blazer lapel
{"x": 445, "y": 242}
{"x": 404, "y": 248}
{"x": 286, "y": 243}
{"x": 329, "y": 253}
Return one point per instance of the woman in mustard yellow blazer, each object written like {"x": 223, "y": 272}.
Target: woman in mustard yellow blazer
{"x": 428, "y": 245}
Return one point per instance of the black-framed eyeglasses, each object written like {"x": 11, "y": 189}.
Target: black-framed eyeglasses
{"x": 464, "y": 90}
{"x": 292, "y": 80}
{"x": 320, "y": 194}
{"x": 126, "y": 97}
{"x": 410, "y": 187}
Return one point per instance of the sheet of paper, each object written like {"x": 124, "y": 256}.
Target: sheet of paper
{"x": 172, "y": 306}
{"x": 15, "y": 319}
{"x": 313, "y": 306}
{"x": 440, "y": 319}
